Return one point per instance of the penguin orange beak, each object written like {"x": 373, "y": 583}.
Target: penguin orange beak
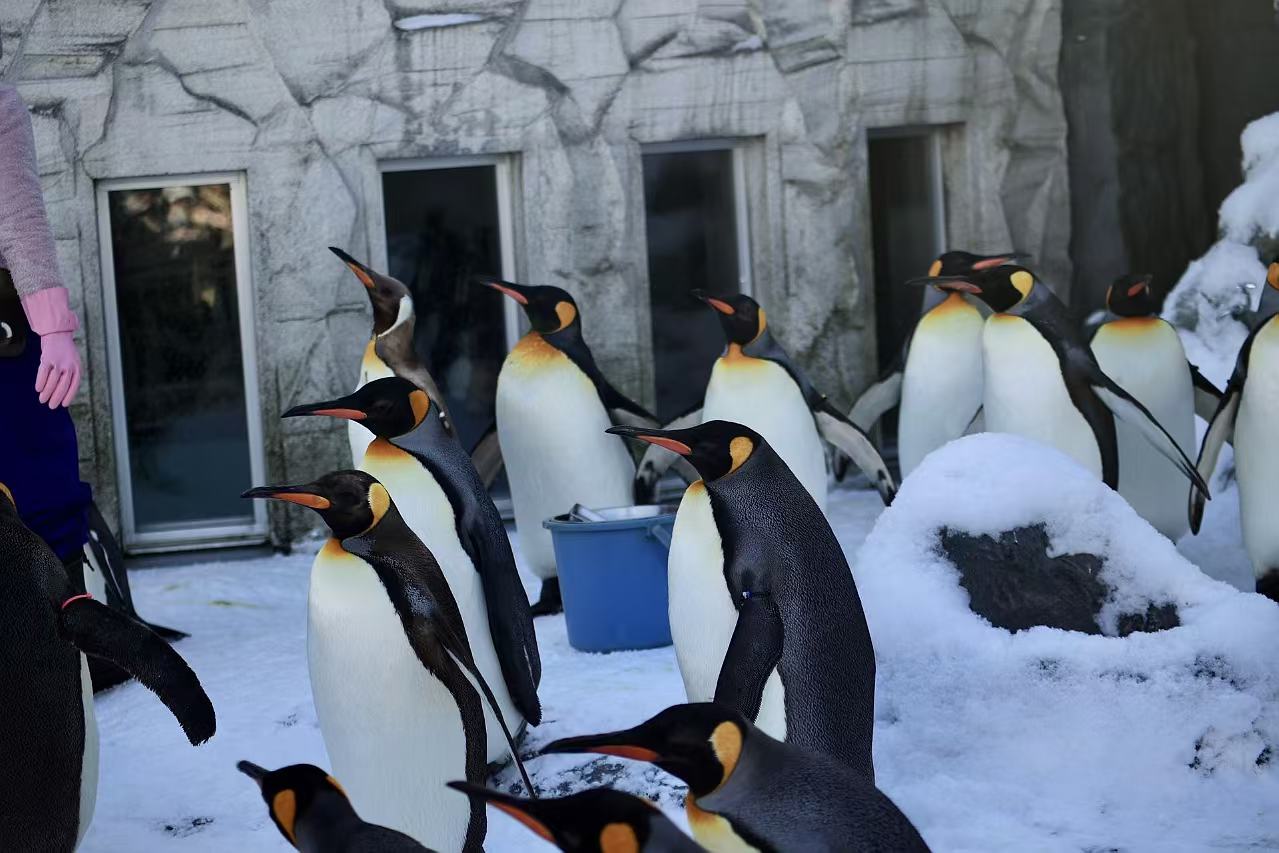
{"x": 1139, "y": 286}
{"x": 652, "y": 437}
{"x": 613, "y": 743}
{"x": 946, "y": 282}
{"x": 332, "y": 409}
{"x": 360, "y": 270}
{"x": 506, "y": 287}
{"x": 718, "y": 304}
{"x": 991, "y": 261}
{"x": 291, "y": 494}
{"x": 518, "y": 808}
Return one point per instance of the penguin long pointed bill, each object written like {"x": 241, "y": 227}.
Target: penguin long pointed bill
{"x": 340, "y": 408}
{"x": 514, "y": 806}
{"x": 509, "y": 288}
{"x": 621, "y": 743}
{"x": 953, "y": 282}
{"x": 718, "y": 304}
{"x": 255, "y": 772}
{"x": 292, "y": 494}
{"x": 361, "y": 271}
{"x": 652, "y": 437}
{"x": 990, "y": 261}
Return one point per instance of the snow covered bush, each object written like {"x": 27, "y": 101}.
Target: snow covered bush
{"x": 1046, "y": 739}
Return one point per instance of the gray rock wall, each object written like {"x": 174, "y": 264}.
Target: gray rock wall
{"x": 307, "y": 96}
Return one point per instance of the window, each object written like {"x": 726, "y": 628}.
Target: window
{"x": 183, "y": 375}
{"x": 907, "y": 233}
{"x": 695, "y": 210}
{"x": 447, "y": 220}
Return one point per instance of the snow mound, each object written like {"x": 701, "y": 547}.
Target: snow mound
{"x": 1159, "y": 741}
{"x": 1250, "y": 211}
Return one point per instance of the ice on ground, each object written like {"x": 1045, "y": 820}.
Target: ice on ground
{"x": 431, "y": 22}
{"x": 1053, "y": 740}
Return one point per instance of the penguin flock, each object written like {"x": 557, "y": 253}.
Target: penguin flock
{"x": 421, "y": 647}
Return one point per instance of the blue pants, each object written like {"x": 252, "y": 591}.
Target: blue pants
{"x": 39, "y": 461}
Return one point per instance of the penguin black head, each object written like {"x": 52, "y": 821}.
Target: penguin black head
{"x": 597, "y": 820}
{"x": 1130, "y": 296}
{"x": 350, "y": 502}
{"x": 958, "y": 262}
{"x": 386, "y": 407}
{"x": 390, "y": 297}
{"x": 700, "y": 743}
{"x": 292, "y": 793}
{"x": 549, "y": 309}
{"x": 715, "y": 448}
{"x": 742, "y": 318}
{"x": 1001, "y": 287}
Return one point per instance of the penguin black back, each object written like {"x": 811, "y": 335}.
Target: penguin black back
{"x": 313, "y": 813}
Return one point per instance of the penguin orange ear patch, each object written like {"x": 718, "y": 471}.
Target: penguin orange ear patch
{"x": 1023, "y": 281}
{"x": 379, "y": 502}
{"x": 1272, "y": 275}
{"x": 740, "y": 449}
{"x": 4, "y": 490}
{"x": 285, "y": 808}
{"x": 619, "y": 838}
{"x": 726, "y": 740}
{"x": 566, "y": 312}
{"x": 420, "y": 403}
{"x": 935, "y": 269}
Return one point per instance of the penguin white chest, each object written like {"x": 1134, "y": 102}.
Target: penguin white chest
{"x": 392, "y": 730}
{"x": 1025, "y": 392}
{"x": 551, "y": 425}
{"x": 1256, "y": 463}
{"x": 427, "y": 511}
{"x": 89, "y": 758}
{"x": 762, "y": 396}
{"x": 942, "y": 383}
{"x": 372, "y": 367}
{"x": 1145, "y": 357}
{"x": 701, "y": 609}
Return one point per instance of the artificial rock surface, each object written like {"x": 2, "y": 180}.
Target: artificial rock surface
{"x": 306, "y": 97}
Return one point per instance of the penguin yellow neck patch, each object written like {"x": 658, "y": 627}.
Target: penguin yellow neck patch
{"x": 285, "y": 808}
{"x": 567, "y": 314}
{"x": 1023, "y": 281}
{"x": 763, "y": 324}
{"x": 618, "y": 838}
{"x": 712, "y": 831}
{"x": 740, "y": 449}
{"x": 726, "y": 740}
{"x": 421, "y": 404}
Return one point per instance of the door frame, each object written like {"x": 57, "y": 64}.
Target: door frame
{"x": 936, "y": 177}
{"x": 183, "y": 537}
{"x": 504, "y": 179}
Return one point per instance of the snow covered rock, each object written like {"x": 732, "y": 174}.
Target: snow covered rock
{"x": 1153, "y": 741}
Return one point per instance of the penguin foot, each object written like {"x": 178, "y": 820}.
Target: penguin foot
{"x": 550, "y": 603}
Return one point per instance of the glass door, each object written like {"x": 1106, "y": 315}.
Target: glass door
{"x": 184, "y": 395}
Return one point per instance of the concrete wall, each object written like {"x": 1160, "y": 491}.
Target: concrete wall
{"x": 307, "y": 96}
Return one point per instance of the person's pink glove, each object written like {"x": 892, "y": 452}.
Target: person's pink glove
{"x": 49, "y": 315}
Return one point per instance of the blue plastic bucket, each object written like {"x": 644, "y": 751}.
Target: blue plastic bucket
{"x": 613, "y": 577}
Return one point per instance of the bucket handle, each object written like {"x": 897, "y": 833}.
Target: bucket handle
{"x": 662, "y": 534}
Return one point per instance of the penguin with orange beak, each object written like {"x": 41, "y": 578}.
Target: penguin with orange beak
{"x": 749, "y": 791}
{"x": 764, "y": 612}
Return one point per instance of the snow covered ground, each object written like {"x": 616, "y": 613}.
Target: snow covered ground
{"x": 1048, "y": 792}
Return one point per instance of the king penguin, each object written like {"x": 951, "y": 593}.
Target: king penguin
{"x": 396, "y": 688}
{"x": 1043, "y": 382}
{"x": 49, "y": 740}
{"x": 756, "y": 383}
{"x": 1247, "y": 415}
{"x": 597, "y": 820}
{"x": 763, "y": 609}
{"x": 311, "y": 810}
{"x": 439, "y": 494}
{"x": 553, "y": 405}
{"x": 1143, "y": 354}
{"x": 748, "y": 791}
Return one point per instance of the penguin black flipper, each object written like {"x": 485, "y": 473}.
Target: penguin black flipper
{"x": 1221, "y": 427}
{"x": 656, "y": 460}
{"x": 100, "y": 631}
{"x": 753, "y": 653}
{"x": 622, "y": 410}
{"x": 483, "y": 536}
{"x": 1207, "y": 395}
{"x": 108, "y": 558}
{"x": 486, "y": 456}
{"x": 885, "y": 393}
{"x": 428, "y": 612}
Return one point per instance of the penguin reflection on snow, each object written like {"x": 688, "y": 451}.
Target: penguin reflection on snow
{"x": 553, "y": 405}
{"x": 764, "y": 612}
{"x": 49, "y": 742}
{"x": 1143, "y": 354}
{"x": 747, "y": 791}
{"x": 1042, "y": 381}
{"x": 1248, "y": 414}
{"x": 393, "y": 678}
{"x": 438, "y": 492}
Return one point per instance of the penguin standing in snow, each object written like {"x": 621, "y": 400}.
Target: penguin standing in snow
{"x": 1043, "y": 382}
{"x": 1143, "y": 354}
{"x": 1247, "y": 415}
{"x": 747, "y": 791}
{"x": 755, "y": 382}
{"x": 597, "y": 820}
{"x": 312, "y": 812}
{"x": 396, "y": 688}
{"x": 763, "y": 609}
{"x": 553, "y": 405}
{"x": 49, "y": 740}
{"x": 438, "y": 492}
